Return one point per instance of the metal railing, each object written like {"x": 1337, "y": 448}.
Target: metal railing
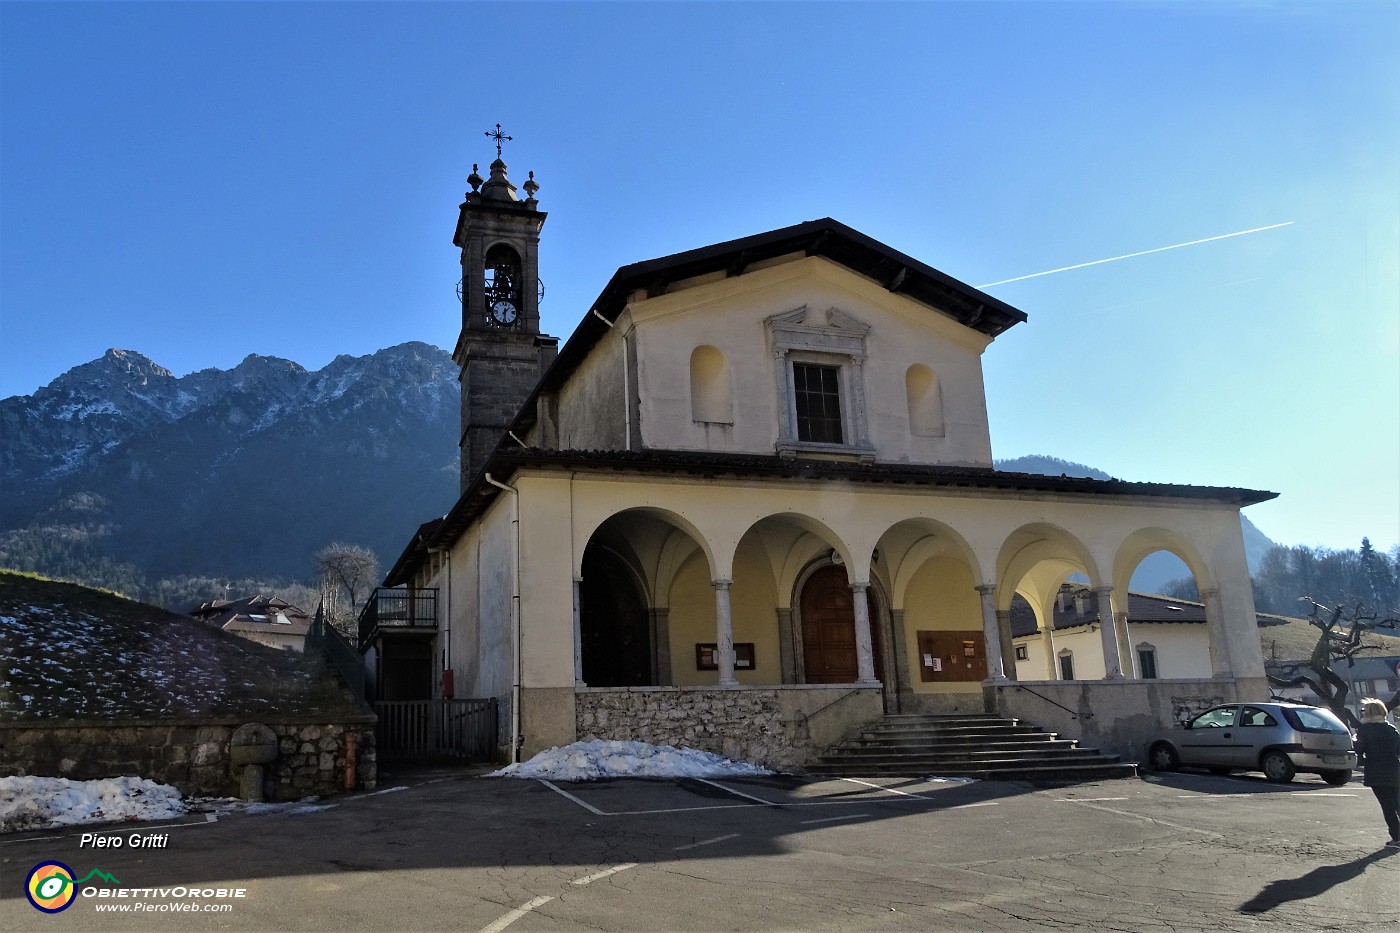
{"x": 436, "y": 729}
{"x": 395, "y": 608}
{"x": 1072, "y": 713}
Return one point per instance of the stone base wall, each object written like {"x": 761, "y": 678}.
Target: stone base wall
{"x": 1118, "y": 717}
{"x": 780, "y": 727}
{"x": 192, "y": 756}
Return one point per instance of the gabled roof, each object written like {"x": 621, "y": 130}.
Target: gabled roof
{"x": 254, "y": 614}
{"x": 830, "y": 239}
{"x": 1142, "y": 608}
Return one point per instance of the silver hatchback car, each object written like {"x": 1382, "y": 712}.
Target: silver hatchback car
{"x": 1279, "y": 739}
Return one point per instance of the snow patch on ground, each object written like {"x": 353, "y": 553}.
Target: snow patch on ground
{"x": 600, "y": 758}
{"x": 40, "y": 802}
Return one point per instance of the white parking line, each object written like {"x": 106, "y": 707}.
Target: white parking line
{"x": 563, "y": 793}
{"x": 888, "y": 790}
{"x": 603, "y": 874}
{"x": 708, "y": 842}
{"x": 833, "y": 819}
{"x": 766, "y": 803}
{"x": 507, "y": 919}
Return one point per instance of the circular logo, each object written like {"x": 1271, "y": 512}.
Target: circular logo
{"x": 50, "y": 887}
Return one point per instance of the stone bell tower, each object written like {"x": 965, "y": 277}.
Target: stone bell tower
{"x": 501, "y": 351}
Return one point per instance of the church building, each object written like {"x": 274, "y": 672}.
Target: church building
{"x": 749, "y": 506}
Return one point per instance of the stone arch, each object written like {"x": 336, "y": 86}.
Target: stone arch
{"x": 711, "y": 386}
{"x": 628, "y": 565}
{"x": 924, "y": 396}
{"x": 1047, "y": 551}
{"x": 1144, "y": 542}
{"x": 1034, "y": 562}
{"x": 907, "y": 544}
{"x": 583, "y": 532}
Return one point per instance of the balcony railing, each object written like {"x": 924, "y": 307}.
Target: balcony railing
{"x": 398, "y": 608}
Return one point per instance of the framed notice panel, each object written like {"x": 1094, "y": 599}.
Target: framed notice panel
{"x": 707, "y": 656}
{"x": 945, "y": 656}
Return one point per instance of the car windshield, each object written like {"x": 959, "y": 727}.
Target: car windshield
{"x": 1313, "y": 720}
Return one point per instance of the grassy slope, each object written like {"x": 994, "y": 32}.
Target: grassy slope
{"x": 1294, "y": 639}
{"x": 70, "y": 652}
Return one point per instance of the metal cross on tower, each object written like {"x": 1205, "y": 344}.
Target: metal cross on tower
{"x": 499, "y": 137}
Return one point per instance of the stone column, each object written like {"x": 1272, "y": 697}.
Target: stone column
{"x": 659, "y": 620}
{"x": 1127, "y": 654}
{"x": 1219, "y": 657}
{"x": 1052, "y": 663}
{"x": 902, "y": 684}
{"x": 724, "y": 633}
{"x": 787, "y": 654}
{"x": 865, "y": 656}
{"x": 991, "y": 634}
{"x": 1008, "y": 645}
{"x": 578, "y": 637}
{"x": 1113, "y": 669}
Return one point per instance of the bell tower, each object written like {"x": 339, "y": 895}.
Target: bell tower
{"x": 501, "y": 352}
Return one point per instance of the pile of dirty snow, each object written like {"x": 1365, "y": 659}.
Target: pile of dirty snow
{"x": 40, "y": 802}
{"x": 583, "y": 761}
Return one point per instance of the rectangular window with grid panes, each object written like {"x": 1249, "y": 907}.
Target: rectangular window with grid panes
{"x": 817, "y": 392}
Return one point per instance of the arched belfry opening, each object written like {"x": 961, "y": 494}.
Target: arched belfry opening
{"x": 502, "y": 278}
{"x": 613, "y": 622}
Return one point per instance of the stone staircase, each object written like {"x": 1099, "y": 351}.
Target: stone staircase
{"x": 970, "y": 745}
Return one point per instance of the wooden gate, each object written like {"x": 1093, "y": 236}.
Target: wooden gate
{"x": 426, "y": 730}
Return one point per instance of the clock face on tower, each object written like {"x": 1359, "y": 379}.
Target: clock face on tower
{"x": 502, "y": 311}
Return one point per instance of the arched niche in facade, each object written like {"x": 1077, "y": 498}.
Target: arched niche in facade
{"x": 924, "y": 397}
{"x": 711, "y": 386}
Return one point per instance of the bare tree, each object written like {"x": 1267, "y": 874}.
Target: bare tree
{"x": 1343, "y": 637}
{"x": 345, "y": 570}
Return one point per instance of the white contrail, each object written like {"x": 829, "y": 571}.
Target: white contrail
{"x": 1160, "y": 249}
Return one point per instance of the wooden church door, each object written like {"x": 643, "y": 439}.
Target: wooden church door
{"x": 829, "y": 629}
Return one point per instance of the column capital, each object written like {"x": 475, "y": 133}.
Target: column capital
{"x": 1103, "y": 589}
{"x": 859, "y": 587}
{"x": 986, "y": 588}
{"x": 721, "y": 584}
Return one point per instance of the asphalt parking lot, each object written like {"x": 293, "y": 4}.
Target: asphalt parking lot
{"x": 449, "y": 850}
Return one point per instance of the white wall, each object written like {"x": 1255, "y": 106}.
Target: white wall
{"x": 729, "y": 314}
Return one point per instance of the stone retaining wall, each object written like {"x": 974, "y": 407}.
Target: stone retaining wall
{"x": 191, "y": 755}
{"x": 780, "y": 727}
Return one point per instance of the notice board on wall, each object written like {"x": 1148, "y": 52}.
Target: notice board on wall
{"x": 952, "y": 656}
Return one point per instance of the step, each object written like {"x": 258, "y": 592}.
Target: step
{"x": 926, "y": 754}
{"x": 1054, "y": 773}
{"x": 955, "y": 747}
{"x": 977, "y": 761}
{"x": 924, "y": 736}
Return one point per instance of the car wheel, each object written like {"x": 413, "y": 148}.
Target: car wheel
{"x": 1336, "y": 778}
{"x": 1220, "y": 771}
{"x": 1277, "y": 767}
{"x": 1162, "y": 757}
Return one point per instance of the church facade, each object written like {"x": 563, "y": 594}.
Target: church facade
{"x": 749, "y": 506}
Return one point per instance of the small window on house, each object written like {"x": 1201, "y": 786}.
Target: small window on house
{"x": 1066, "y": 665}
{"x": 1022, "y": 653}
{"x": 711, "y": 396}
{"x": 1147, "y": 662}
{"x": 817, "y": 392}
{"x": 925, "y": 400}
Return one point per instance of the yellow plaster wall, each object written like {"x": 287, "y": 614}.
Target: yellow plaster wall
{"x": 941, "y": 597}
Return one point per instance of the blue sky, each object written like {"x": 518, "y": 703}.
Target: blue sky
{"x": 203, "y": 181}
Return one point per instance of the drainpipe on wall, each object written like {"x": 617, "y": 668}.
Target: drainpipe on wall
{"x": 515, "y": 737}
